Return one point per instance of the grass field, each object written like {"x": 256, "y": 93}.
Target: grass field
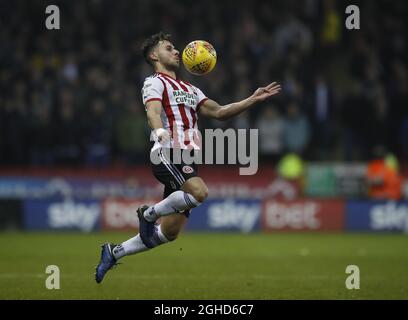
{"x": 208, "y": 266}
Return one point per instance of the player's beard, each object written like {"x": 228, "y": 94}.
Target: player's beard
{"x": 172, "y": 66}
{"x": 170, "y": 63}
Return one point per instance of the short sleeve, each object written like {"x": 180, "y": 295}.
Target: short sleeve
{"x": 152, "y": 90}
{"x": 201, "y": 97}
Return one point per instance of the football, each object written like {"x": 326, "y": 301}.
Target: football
{"x": 199, "y": 57}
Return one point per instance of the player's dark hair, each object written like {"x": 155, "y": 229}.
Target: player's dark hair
{"x": 151, "y": 42}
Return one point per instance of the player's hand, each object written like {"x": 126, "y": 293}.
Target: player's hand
{"x": 163, "y": 135}
{"x": 264, "y": 93}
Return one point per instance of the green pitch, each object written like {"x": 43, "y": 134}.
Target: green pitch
{"x": 208, "y": 266}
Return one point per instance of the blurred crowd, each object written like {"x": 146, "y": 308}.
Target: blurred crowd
{"x": 72, "y": 96}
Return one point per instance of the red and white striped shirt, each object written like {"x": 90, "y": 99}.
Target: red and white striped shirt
{"x": 180, "y": 101}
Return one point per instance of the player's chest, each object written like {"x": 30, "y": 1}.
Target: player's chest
{"x": 186, "y": 98}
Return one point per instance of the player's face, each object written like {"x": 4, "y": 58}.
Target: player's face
{"x": 168, "y": 56}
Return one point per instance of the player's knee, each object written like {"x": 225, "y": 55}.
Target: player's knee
{"x": 171, "y": 235}
{"x": 200, "y": 194}
{"x": 171, "y": 231}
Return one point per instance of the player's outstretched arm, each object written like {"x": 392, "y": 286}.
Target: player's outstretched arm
{"x": 212, "y": 109}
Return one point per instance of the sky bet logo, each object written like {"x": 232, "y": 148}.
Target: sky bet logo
{"x": 231, "y": 214}
{"x": 389, "y": 216}
{"x": 69, "y": 214}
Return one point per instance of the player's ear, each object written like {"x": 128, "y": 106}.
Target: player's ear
{"x": 153, "y": 56}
